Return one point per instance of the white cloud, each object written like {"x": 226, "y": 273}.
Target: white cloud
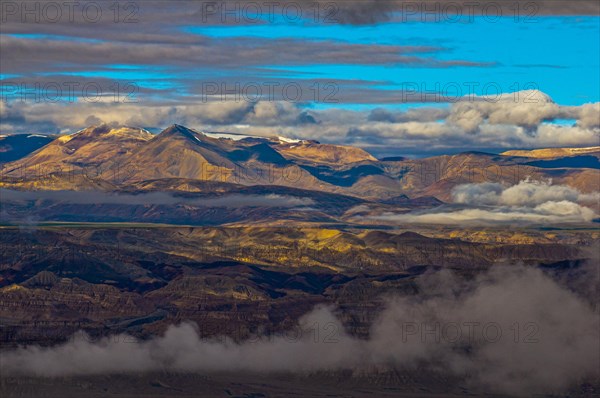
{"x": 547, "y": 213}
{"x": 517, "y": 120}
{"x": 525, "y": 193}
{"x": 460, "y": 328}
{"x": 523, "y": 108}
{"x": 528, "y": 202}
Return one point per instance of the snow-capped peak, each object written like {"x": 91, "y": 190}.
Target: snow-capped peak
{"x": 229, "y": 136}
{"x": 288, "y": 140}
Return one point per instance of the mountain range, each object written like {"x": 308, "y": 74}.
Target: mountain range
{"x": 113, "y": 158}
{"x": 117, "y": 230}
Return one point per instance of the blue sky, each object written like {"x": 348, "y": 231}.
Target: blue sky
{"x": 554, "y": 54}
{"x": 371, "y": 58}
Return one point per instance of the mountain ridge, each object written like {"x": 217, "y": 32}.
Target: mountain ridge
{"x": 545, "y": 153}
{"x": 109, "y": 158}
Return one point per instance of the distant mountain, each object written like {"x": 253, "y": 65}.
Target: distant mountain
{"x": 552, "y": 152}
{"x": 14, "y": 147}
{"x": 403, "y": 200}
{"x": 93, "y": 146}
{"x": 583, "y": 161}
{"x": 393, "y": 159}
{"x": 183, "y": 159}
{"x": 311, "y": 152}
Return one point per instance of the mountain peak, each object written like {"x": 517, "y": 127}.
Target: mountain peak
{"x": 552, "y": 152}
{"x": 176, "y": 128}
{"x": 179, "y": 130}
{"x": 105, "y": 132}
{"x": 311, "y": 151}
{"x": 412, "y": 236}
{"x": 95, "y": 130}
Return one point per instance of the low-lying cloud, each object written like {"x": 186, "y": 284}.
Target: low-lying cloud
{"x": 512, "y": 330}
{"x": 528, "y": 202}
{"x": 549, "y": 213}
{"x": 525, "y": 193}
{"x": 154, "y": 198}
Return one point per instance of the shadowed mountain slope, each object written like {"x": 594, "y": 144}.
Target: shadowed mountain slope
{"x": 180, "y": 158}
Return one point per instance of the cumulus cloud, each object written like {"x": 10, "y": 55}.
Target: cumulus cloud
{"x": 410, "y": 115}
{"x": 512, "y": 330}
{"x": 525, "y": 193}
{"x": 524, "y": 119}
{"x": 528, "y": 202}
{"x": 524, "y": 108}
{"x": 509, "y": 122}
{"x": 515, "y": 120}
{"x": 589, "y": 115}
{"x": 200, "y": 114}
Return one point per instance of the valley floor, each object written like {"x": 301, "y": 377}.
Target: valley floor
{"x": 229, "y": 385}
{"x": 241, "y": 282}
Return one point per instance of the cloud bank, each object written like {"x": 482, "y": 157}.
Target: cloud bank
{"x": 528, "y": 202}
{"x": 512, "y": 330}
{"x": 525, "y": 119}
{"x": 154, "y": 198}
{"x": 525, "y": 193}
